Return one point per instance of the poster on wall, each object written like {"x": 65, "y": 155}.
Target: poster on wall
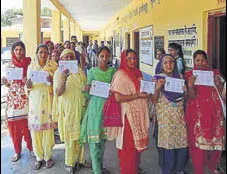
{"x": 188, "y": 39}
{"x": 158, "y": 43}
{"x": 146, "y": 45}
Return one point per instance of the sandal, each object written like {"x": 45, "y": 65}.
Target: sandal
{"x": 38, "y": 165}
{"x": 69, "y": 169}
{"x": 141, "y": 171}
{"x": 49, "y": 163}
{"x": 105, "y": 171}
{"x": 16, "y": 157}
{"x": 32, "y": 154}
{"x": 85, "y": 165}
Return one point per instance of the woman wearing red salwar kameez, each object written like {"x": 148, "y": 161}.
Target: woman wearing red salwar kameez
{"x": 132, "y": 138}
{"x": 17, "y": 102}
{"x": 205, "y": 119}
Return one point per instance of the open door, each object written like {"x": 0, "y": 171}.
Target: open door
{"x": 137, "y": 45}
{"x": 217, "y": 42}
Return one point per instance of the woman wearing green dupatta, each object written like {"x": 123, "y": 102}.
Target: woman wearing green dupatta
{"x": 92, "y": 131}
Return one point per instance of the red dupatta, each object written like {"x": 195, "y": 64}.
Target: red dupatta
{"x": 23, "y": 63}
{"x": 204, "y": 116}
{"x": 134, "y": 74}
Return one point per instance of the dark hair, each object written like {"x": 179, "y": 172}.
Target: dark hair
{"x": 161, "y": 50}
{"x": 67, "y": 41}
{"x": 73, "y": 37}
{"x": 130, "y": 51}
{"x": 18, "y": 43}
{"x": 103, "y": 48}
{"x": 42, "y": 46}
{"x": 200, "y": 52}
{"x": 72, "y": 43}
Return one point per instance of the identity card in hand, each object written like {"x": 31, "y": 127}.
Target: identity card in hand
{"x": 71, "y": 65}
{"x": 204, "y": 78}
{"x": 148, "y": 87}
{"x": 174, "y": 85}
{"x": 14, "y": 73}
{"x": 39, "y": 77}
{"x": 100, "y": 89}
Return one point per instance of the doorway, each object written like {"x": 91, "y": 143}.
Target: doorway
{"x": 137, "y": 45}
{"x": 86, "y": 40}
{"x": 217, "y": 42}
{"x": 128, "y": 41}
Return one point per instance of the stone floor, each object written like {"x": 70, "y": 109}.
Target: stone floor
{"x": 24, "y": 165}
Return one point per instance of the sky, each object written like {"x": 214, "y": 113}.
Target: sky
{"x": 7, "y": 4}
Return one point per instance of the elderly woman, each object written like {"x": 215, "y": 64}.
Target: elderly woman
{"x": 40, "y": 108}
{"x": 205, "y": 119}
{"x": 133, "y": 137}
{"x": 68, "y": 109}
{"x": 92, "y": 130}
{"x": 171, "y": 126}
{"x": 17, "y": 101}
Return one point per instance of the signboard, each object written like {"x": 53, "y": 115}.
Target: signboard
{"x": 146, "y": 45}
{"x": 188, "y": 39}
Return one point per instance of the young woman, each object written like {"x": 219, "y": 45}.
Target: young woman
{"x": 40, "y": 108}
{"x": 50, "y": 46}
{"x": 171, "y": 132}
{"x": 92, "y": 130}
{"x": 133, "y": 137}
{"x": 204, "y": 119}
{"x": 69, "y": 106}
{"x": 176, "y": 51}
{"x": 159, "y": 54}
{"x": 17, "y": 102}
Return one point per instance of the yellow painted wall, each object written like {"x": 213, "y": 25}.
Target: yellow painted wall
{"x": 165, "y": 15}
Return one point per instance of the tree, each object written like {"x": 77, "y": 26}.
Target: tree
{"x": 10, "y": 14}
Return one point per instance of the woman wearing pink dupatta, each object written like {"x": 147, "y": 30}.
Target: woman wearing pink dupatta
{"x": 132, "y": 138}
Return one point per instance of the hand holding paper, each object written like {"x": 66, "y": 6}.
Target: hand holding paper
{"x": 14, "y": 73}
{"x": 204, "y": 78}
{"x": 174, "y": 85}
{"x": 100, "y": 89}
{"x": 148, "y": 87}
{"x": 71, "y": 65}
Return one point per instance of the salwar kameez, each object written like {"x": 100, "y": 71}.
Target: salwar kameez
{"x": 67, "y": 112}
{"x": 40, "y": 112}
{"x": 205, "y": 122}
{"x": 92, "y": 130}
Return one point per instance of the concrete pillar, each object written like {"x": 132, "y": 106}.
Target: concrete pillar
{"x": 72, "y": 29}
{"x": 66, "y": 28}
{"x": 56, "y": 26}
{"x": 31, "y": 29}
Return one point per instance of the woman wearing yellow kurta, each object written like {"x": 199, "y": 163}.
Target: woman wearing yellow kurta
{"x": 68, "y": 109}
{"x": 40, "y": 108}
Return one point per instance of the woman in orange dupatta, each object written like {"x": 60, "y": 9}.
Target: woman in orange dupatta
{"x": 205, "y": 119}
{"x": 132, "y": 138}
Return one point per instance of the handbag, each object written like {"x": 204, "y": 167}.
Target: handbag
{"x": 112, "y": 113}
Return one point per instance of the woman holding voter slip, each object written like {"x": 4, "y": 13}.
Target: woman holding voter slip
{"x": 92, "y": 131}
{"x": 132, "y": 138}
{"x": 17, "y": 100}
{"x": 39, "y": 85}
{"x": 204, "y": 116}
{"x": 171, "y": 130}
{"x": 68, "y": 108}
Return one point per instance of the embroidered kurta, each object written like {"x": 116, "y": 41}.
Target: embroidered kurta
{"x": 68, "y": 108}
{"x": 92, "y": 130}
{"x": 172, "y": 132}
{"x": 40, "y": 99}
{"x": 136, "y": 112}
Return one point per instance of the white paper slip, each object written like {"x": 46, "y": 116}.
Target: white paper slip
{"x": 204, "y": 78}
{"x": 14, "y": 73}
{"x": 100, "y": 89}
{"x": 174, "y": 85}
{"x": 71, "y": 65}
{"x": 148, "y": 87}
{"x": 39, "y": 77}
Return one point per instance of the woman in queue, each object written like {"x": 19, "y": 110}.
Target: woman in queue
{"x": 171, "y": 134}
{"x": 92, "y": 130}
{"x": 68, "y": 109}
{"x": 17, "y": 101}
{"x": 40, "y": 108}
{"x": 205, "y": 119}
{"x": 132, "y": 138}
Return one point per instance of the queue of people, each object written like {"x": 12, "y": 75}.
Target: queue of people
{"x": 184, "y": 127}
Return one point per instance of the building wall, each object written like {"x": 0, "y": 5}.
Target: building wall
{"x": 163, "y": 15}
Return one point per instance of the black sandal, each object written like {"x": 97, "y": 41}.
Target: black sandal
{"x": 38, "y": 165}
{"x": 49, "y": 163}
{"x": 16, "y": 157}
